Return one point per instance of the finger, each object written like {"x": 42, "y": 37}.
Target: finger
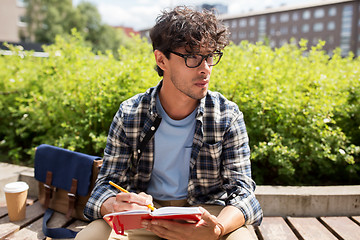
{"x": 126, "y": 206}
{"x": 207, "y": 218}
{"x": 133, "y": 198}
{"x": 149, "y": 198}
{"x": 158, "y": 227}
{"x": 173, "y": 226}
{"x": 126, "y": 202}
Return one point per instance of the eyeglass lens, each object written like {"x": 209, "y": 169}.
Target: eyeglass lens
{"x": 195, "y": 60}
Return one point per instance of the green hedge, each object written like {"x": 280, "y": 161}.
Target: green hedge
{"x": 301, "y": 107}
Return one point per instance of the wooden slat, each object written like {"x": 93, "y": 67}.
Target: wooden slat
{"x": 275, "y": 228}
{"x": 7, "y": 229}
{"x": 32, "y": 212}
{"x": 310, "y": 228}
{"x": 343, "y": 226}
{"x": 356, "y": 219}
{"x": 29, "y": 232}
{"x": 3, "y": 208}
{"x": 30, "y": 201}
{"x": 3, "y": 211}
{"x": 34, "y": 230}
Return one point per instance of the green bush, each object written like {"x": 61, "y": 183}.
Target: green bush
{"x": 69, "y": 98}
{"x": 301, "y": 107}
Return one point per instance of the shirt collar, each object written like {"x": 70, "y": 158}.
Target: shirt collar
{"x": 154, "y": 93}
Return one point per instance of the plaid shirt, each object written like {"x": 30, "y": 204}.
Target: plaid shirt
{"x": 220, "y": 170}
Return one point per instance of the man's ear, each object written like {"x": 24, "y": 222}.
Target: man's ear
{"x": 160, "y": 59}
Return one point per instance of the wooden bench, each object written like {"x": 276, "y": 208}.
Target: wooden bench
{"x": 272, "y": 228}
{"x": 31, "y": 226}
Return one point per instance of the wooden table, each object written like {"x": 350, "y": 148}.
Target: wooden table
{"x": 272, "y": 228}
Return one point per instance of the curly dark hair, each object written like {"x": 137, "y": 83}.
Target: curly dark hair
{"x": 185, "y": 27}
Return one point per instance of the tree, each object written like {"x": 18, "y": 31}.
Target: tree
{"x": 49, "y": 18}
{"x": 102, "y": 36}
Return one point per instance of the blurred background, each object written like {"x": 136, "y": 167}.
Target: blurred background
{"x": 292, "y": 68}
{"x": 108, "y": 23}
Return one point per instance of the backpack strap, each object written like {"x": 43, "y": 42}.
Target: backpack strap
{"x": 48, "y": 188}
{"x": 72, "y": 198}
{"x": 147, "y": 138}
{"x": 55, "y": 232}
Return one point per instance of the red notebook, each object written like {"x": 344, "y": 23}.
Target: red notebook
{"x": 122, "y": 221}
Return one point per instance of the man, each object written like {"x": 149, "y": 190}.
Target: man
{"x": 179, "y": 143}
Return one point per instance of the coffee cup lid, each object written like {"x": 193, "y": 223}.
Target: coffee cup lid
{"x": 15, "y": 187}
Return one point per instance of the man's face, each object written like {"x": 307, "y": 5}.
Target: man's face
{"x": 193, "y": 82}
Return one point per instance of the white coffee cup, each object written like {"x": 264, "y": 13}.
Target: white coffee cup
{"x": 16, "y": 194}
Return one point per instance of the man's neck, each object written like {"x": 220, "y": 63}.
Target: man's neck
{"x": 176, "y": 104}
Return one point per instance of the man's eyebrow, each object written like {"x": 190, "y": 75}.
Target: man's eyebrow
{"x": 199, "y": 53}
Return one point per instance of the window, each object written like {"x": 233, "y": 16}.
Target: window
{"x": 284, "y": 30}
{"x": 233, "y": 36}
{"x": 252, "y": 34}
{"x": 273, "y": 19}
{"x": 262, "y": 28}
{"x": 294, "y": 29}
{"x": 345, "y": 35}
{"x": 319, "y": 13}
{"x": 22, "y": 21}
{"x": 306, "y": 14}
{"x": 234, "y": 23}
{"x": 305, "y": 28}
{"x": 242, "y": 22}
{"x": 284, "y": 17}
{"x": 21, "y": 3}
{"x": 242, "y": 35}
{"x": 331, "y": 26}
{"x": 295, "y": 16}
{"x": 346, "y": 21}
{"x": 332, "y": 12}
{"x": 318, "y": 27}
{"x": 252, "y": 21}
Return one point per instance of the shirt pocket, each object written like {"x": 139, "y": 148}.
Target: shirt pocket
{"x": 208, "y": 164}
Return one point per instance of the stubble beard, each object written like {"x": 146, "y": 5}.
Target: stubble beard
{"x": 189, "y": 90}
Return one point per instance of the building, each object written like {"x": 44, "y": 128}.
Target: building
{"x": 336, "y": 22}
{"x": 12, "y": 20}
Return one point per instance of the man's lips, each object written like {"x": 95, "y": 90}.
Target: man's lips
{"x": 202, "y": 84}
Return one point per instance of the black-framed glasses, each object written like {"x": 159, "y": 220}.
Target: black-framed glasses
{"x": 194, "y": 60}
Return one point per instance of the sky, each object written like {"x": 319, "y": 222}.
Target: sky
{"x": 141, "y": 14}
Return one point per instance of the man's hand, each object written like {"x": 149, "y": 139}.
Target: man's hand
{"x": 125, "y": 202}
{"x": 206, "y": 228}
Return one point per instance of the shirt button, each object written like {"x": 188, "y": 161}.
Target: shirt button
{"x": 139, "y": 151}
{"x": 234, "y": 195}
{"x": 152, "y": 128}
